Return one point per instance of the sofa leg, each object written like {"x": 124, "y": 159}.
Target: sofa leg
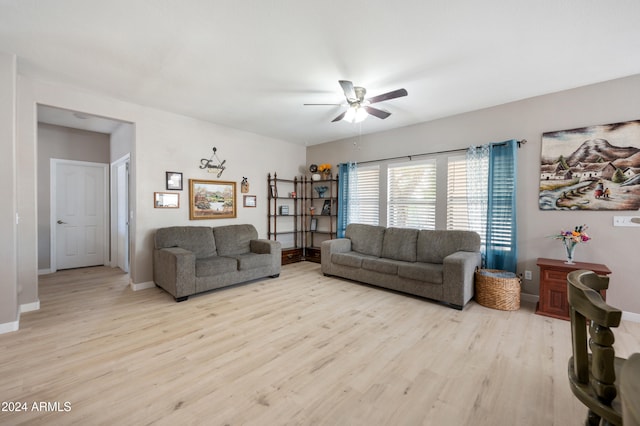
{"x": 274, "y": 276}
{"x": 181, "y": 299}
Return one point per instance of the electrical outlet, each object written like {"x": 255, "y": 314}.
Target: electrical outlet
{"x": 527, "y": 275}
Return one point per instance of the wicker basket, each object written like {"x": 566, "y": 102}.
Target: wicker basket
{"x": 497, "y": 292}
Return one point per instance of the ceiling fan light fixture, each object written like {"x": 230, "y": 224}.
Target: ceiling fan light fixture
{"x": 355, "y": 114}
{"x": 361, "y": 115}
{"x": 350, "y": 115}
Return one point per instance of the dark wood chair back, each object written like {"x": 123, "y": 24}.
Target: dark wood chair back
{"x": 593, "y": 376}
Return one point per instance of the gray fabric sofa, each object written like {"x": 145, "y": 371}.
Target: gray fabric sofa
{"x": 192, "y": 259}
{"x": 438, "y": 265}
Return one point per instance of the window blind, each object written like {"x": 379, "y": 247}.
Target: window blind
{"x": 412, "y": 195}
{"x": 365, "y": 206}
{"x": 457, "y": 205}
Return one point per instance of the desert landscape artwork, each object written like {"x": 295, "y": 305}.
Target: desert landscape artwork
{"x": 591, "y": 168}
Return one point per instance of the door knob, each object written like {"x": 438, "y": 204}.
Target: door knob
{"x": 61, "y": 222}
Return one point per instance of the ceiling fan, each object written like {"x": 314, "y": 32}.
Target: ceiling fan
{"x": 359, "y": 107}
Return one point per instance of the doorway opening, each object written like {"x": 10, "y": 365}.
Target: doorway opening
{"x": 76, "y": 141}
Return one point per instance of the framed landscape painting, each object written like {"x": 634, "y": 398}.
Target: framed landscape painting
{"x": 591, "y": 168}
{"x": 209, "y": 199}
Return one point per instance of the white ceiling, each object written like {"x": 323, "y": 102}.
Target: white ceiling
{"x": 252, "y": 64}
{"x": 76, "y": 120}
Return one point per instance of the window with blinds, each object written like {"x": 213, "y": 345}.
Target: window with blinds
{"x": 364, "y": 207}
{"x": 411, "y": 195}
{"x": 457, "y": 206}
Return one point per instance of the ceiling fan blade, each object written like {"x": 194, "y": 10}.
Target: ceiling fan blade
{"x": 347, "y": 87}
{"x": 386, "y": 96}
{"x": 340, "y": 117}
{"x": 377, "y": 112}
{"x": 321, "y": 104}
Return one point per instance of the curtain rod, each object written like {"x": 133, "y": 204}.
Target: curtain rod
{"x": 520, "y": 143}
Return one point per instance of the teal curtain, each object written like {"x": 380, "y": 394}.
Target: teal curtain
{"x": 491, "y": 195}
{"x": 501, "y": 236}
{"x": 347, "y": 176}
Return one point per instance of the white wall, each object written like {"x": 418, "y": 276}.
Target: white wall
{"x": 8, "y": 243}
{"x": 603, "y": 103}
{"x": 163, "y": 142}
{"x": 122, "y": 139}
{"x": 66, "y": 144}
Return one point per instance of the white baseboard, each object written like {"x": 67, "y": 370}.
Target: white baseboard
{"x": 533, "y": 298}
{"x": 8, "y": 327}
{"x": 142, "y": 286}
{"x": 28, "y": 307}
{"x": 44, "y": 271}
{"x": 630, "y": 316}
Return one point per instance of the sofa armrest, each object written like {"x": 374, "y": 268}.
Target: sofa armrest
{"x": 338, "y": 245}
{"x": 263, "y": 246}
{"x": 174, "y": 269}
{"x": 458, "y": 276}
{"x": 271, "y": 247}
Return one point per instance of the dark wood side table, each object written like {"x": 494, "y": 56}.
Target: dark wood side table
{"x": 553, "y": 285}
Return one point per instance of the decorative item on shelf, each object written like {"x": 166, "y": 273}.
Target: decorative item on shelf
{"x": 321, "y": 190}
{"x": 284, "y": 210}
{"x": 325, "y": 169}
{"x": 244, "y": 185}
{"x": 293, "y": 194}
{"x": 314, "y": 172}
{"x": 211, "y": 166}
{"x": 312, "y": 210}
{"x": 570, "y": 239}
{"x": 326, "y": 208}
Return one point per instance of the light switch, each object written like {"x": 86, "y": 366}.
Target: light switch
{"x": 626, "y": 221}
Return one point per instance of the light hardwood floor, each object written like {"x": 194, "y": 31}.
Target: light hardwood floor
{"x": 300, "y": 349}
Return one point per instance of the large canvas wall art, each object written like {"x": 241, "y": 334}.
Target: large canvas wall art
{"x": 591, "y": 168}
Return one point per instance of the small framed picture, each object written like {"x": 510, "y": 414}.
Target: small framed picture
{"x": 249, "y": 201}
{"x": 174, "y": 181}
{"x": 274, "y": 191}
{"x": 326, "y": 208}
{"x": 166, "y": 200}
{"x": 313, "y": 226}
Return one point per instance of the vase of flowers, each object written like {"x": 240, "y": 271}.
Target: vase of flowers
{"x": 325, "y": 169}
{"x": 570, "y": 239}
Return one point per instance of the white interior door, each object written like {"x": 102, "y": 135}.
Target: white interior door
{"x": 79, "y": 208}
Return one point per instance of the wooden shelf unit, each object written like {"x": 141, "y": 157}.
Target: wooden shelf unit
{"x": 326, "y": 224}
{"x": 286, "y": 228}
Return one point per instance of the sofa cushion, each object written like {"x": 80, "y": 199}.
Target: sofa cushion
{"x": 365, "y": 239}
{"x": 428, "y": 272}
{"x": 196, "y": 239}
{"x": 234, "y": 239}
{"x": 400, "y": 244}
{"x": 350, "y": 258}
{"x": 215, "y": 265}
{"x": 252, "y": 261}
{"x": 434, "y": 246}
{"x": 381, "y": 265}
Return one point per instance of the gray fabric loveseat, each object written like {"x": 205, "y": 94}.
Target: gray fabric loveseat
{"x": 438, "y": 265}
{"x": 192, "y": 259}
